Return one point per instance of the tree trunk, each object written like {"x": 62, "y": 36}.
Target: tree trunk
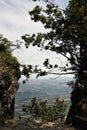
{"x": 79, "y": 93}
{"x": 12, "y": 108}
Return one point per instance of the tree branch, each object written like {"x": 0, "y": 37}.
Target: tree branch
{"x": 62, "y": 73}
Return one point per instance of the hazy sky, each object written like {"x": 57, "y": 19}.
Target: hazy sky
{"x": 15, "y": 22}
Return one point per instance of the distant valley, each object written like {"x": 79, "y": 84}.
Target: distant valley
{"x": 48, "y": 89}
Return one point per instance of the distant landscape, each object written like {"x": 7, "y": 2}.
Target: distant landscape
{"x": 43, "y": 89}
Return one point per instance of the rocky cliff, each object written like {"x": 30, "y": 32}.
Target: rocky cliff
{"x": 9, "y": 75}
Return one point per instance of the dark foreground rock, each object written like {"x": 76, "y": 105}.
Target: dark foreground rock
{"x": 28, "y": 124}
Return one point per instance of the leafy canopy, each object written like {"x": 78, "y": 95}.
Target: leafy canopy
{"x": 6, "y": 56}
{"x": 66, "y": 29}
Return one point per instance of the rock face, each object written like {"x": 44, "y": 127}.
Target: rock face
{"x": 8, "y": 88}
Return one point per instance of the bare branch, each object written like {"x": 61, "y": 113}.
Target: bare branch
{"x": 62, "y": 73}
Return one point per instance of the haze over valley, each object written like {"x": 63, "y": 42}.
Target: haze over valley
{"x": 43, "y": 89}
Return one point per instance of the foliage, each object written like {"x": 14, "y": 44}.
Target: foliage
{"x": 4, "y": 44}
{"x": 9, "y": 75}
{"x": 7, "y": 57}
{"x": 66, "y": 34}
{"x": 65, "y": 31}
{"x": 40, "y": 109}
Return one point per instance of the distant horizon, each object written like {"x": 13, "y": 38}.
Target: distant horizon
{"x": 46, "y": 89}
{"x": 42, "y": 84}
{"x": 47, "y": 77}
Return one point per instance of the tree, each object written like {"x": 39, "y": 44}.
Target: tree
{"x": 40, "y": 109}
{"x": 9, "y": 75}
{"x": 67, "y": 35}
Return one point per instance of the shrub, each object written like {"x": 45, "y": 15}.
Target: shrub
{"x": 40, "y": 109}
